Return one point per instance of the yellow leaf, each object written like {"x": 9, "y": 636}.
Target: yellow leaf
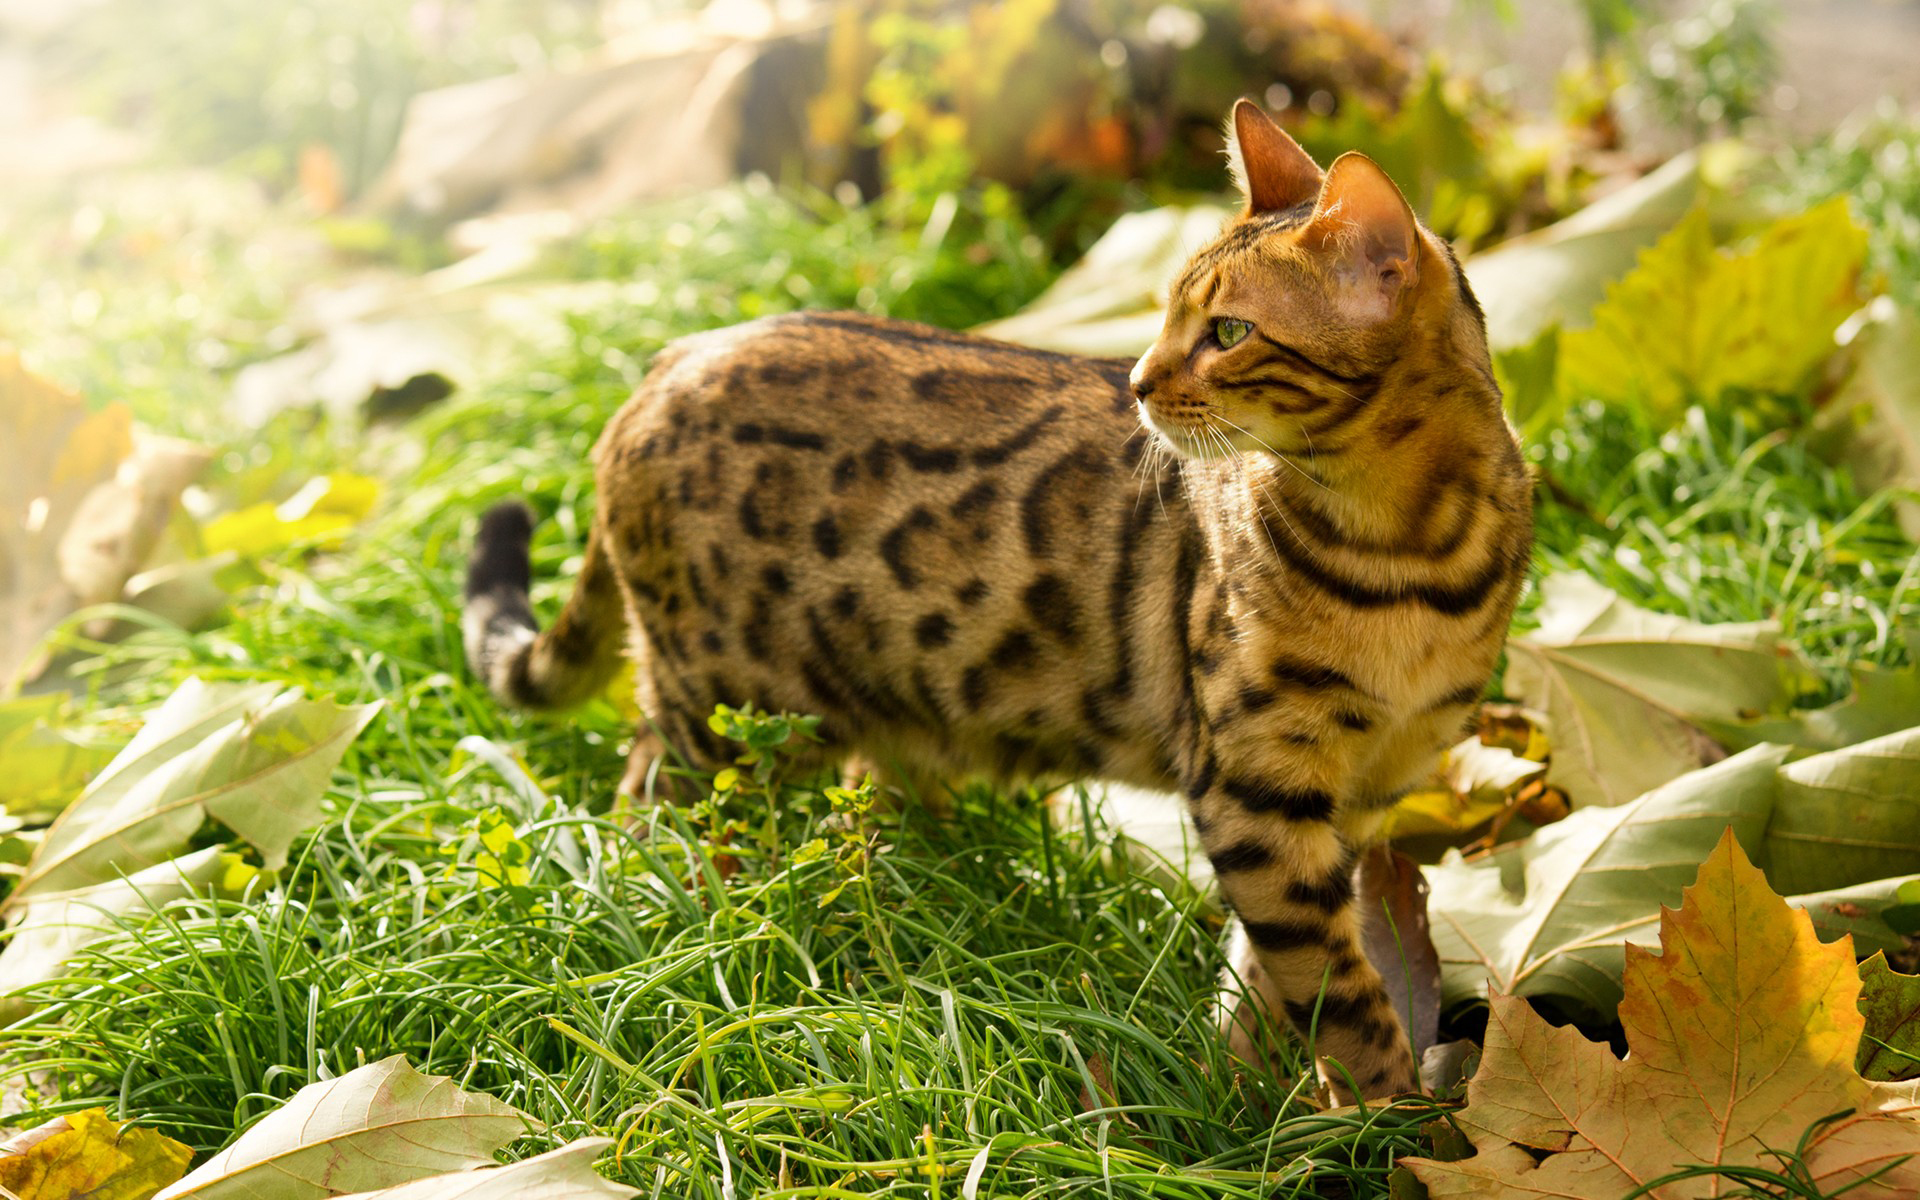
{"x": 1741, "y": 1036}
{"x": 1475, "y": 783}
{"x": 1691, "y": 322}
{"x": 326, "y": 507}
{"x": 89, "y": 1156}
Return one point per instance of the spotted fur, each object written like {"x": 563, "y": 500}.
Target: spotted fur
{"x": 976, "y": 558}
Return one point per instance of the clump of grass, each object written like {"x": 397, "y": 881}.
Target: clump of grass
{"x": 1714, "y": 520}
{"x": 972, "y": 992}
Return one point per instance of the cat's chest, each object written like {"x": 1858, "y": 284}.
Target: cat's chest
{"x": 1372, "y": 687}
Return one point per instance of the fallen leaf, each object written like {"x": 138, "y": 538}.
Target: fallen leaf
{"x": 1392, "y": 895}
{"x": 326, "y": 507}
{"x": 89, "y": 1156}
{"x": 1847, "y": 815}
{"x": 1741, "y": 1038}
{"x": 1692, "y": 323}
{"x": 1552, "y": 915}
{"x": 80, "y": 508}
{"x": 1631, "y": 697}
{"x": 375, "y": 1127}
{"x": 47, "y": 932}
{"x": 563, "y": 1174}
{"x": 255, "y": 758}
{"x": 1555, "y": 276}
{"x": 1890, "y": 1003}
{"x": 1110, "y": 302}
{"x": 1476, "y": 783}
{"x": 1871, "y": 423}
{"x": 47, "y": 764}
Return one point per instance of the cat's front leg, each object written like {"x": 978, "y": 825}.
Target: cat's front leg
{"x": 1288, "y": 874}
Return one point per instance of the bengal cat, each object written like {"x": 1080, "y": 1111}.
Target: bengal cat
{"x": 972, "y": 557}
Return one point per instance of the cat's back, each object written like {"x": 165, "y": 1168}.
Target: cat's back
{"x": 818, "y": 432}
{"x": 834, "y": 376}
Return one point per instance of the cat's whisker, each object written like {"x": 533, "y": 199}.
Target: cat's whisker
{"x": 1307, "y": 475}
{"x": 1261, "y": 510}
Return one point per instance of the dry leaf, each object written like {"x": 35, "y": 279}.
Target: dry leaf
{"x": 1476, "y": 783}
{"x": 376, "y": 1127}
{"x": 81, "y": 506}
{"x": 254, "y": 758}
{"x": 1392, "y": 895}
{"x": 1741, "y": 1038}
{"x": 1871, "y": 424}
{"x": 1633, "y": 698}
{"x": 49, "y": 931}
{"x": 90, "y": 1156}
{"x": 563, "y": 1174}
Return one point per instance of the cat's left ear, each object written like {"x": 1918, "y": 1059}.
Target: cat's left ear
{"x": 1364, "y": 224}
{"x": 1272, "y": 170}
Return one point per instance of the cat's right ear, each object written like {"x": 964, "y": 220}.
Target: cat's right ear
{"x": 1272, "y": 170}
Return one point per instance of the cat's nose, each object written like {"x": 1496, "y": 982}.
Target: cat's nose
{"x": 1142, "y": 383}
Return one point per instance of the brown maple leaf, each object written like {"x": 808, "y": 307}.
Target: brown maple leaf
{"x": 1741, "y": 1035}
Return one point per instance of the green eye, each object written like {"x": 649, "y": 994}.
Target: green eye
{"x": 1228, "y": 331}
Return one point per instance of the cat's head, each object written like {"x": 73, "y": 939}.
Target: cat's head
{"x": 1281, "y": 328}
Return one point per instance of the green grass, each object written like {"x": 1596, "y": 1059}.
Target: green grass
{"x": 987, "y": 986}
{"x": 1718, "y": 521}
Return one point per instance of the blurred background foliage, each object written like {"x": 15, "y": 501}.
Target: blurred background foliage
{"x": 391, "y": 262}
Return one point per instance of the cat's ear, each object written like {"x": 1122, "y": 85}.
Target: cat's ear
{"x": 1363, "y": 223}
{"x": 1272, "y": 170}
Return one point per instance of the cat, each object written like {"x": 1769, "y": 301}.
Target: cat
{"x": 1271, "y": 565}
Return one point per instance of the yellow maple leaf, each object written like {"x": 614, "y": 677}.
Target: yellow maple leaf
{"x": 1741, "y": 1035}
{"x": 90, "y": 1156}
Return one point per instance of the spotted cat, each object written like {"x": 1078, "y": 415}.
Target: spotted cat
{"x": 1270, "y": 565}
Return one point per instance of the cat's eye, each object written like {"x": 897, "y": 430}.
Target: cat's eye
{"x": 1228, "y": 331}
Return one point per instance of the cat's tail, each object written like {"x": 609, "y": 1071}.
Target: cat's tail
{"x": 520, "y": 665}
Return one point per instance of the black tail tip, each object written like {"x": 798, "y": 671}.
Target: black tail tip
{"x": 500, "y": 558}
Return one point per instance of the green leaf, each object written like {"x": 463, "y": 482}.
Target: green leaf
{"x": 1555, "y": 276}
{"x": 1882, "y": 700}
{"x": 46, "y": 765}
{"x": 325, "y": 508}
{"x": 1890, "y": 1002}
{"x": 256, "y": 759}
{"x": 1526, "y": 377}
{"x": 375, "y": 1127}
{"x": 1551, "y": 915}
{"x": 1847, "y": 815}
{"x": 1631, "y": 697}
{"x": 1691, "y": 323}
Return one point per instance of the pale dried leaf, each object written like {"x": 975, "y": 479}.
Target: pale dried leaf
{"x": 49, "y": 931}
{"x": 255, "y": 760}
{"x": 81, "y": 505}
{"x": 1633, "y": 698}
{"x": 563, "y": 1174}
{"x": 375, "y": 1127}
